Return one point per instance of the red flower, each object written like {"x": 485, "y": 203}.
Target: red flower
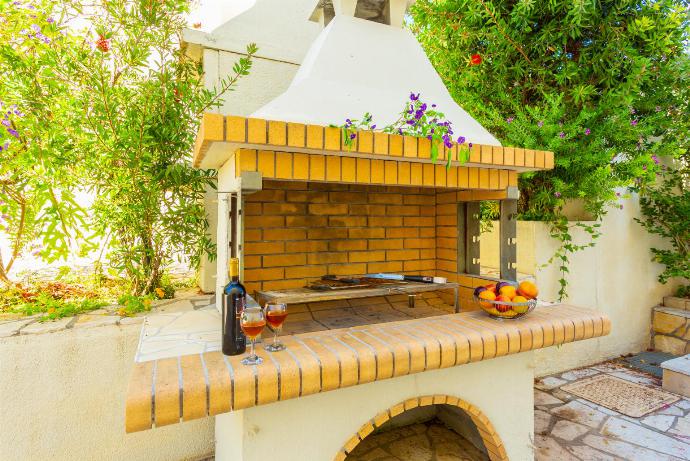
{"x": 103, "y": 44}
{"x": 476, "y": 59}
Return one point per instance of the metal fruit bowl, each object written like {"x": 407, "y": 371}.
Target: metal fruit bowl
{"x": 490, "y": 307}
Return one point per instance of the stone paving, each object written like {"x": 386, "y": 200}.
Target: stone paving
{"x": 430, "y": 441}
{"x": 185, "y": 301}
{"x": 568, "y": 428}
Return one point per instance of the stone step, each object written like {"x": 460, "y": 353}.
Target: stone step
{"x": 671, "y": 330}
{"x": 677, "y": 303}
{"x": 677, "y": 375}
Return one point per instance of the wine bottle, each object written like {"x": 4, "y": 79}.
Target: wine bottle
{"x": 234, "y": 302}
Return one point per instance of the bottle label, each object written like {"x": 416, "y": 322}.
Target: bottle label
{"x": 240, "y": 304}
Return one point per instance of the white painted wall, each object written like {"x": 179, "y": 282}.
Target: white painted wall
{"x": 616, "y": 277}
{"x": 62, "y": 397}
{"x": 315, "y": 427}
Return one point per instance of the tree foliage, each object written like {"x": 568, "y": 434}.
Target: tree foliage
{"x": 111, "y": 105}
{"x": 589, "y": 80}
{"x": 39, "y": 167}
{"x": 599, "y": 83}
{"x": 666, "y": 212}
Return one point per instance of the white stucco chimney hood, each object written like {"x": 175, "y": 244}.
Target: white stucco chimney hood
{"x": 356, "y": 66}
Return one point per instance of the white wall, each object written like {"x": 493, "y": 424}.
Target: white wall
{"x": 616, "y": 277}
{"x": 62, "y": 397}
{"x": 315, "y": 427}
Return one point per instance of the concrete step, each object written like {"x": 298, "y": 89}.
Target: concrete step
{"x": 677, "y": 375}
{"x": 671, "y": 330}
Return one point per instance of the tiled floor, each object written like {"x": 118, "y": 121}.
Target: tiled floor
{"x": 430, "y": 441}
{"x": 568, "y": 428}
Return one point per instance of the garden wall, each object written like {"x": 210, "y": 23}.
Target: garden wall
{"x": 62, "y": 397}
{"x": 616, "y": 276}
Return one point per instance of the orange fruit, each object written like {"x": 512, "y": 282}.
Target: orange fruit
{"x": 519, "y": 299}
{"x": 528, "y": 289}
{"x": 488, "y": 295}
{"x": 491, "y": 287}
{"x": 508, "y": 291}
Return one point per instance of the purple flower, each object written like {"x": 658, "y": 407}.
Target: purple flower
{"x": 644, "y": 167}
{"x": 470, "y": 144}
{"x": 50, "y": 20}
{"x": 429, "y": 137}
{"x": 373, "y": 127}
{"x": 433, "y": 105}
{"x": 422, "y": 107}
{"x": 353, "y": 136}
{"x": 348, "y": 122}
{"x": 557, "y": 194}
{"x": 418, "y": 114}
{"x": 24, "y": 31}
{"x": 510, "y": 120}
{"x": 561, "y": 135}
{"x": 540, "y": 123}
{"x": 36, "y": 27}
{"x": 656, "y": 159}
{"x": 618, "y": 194}
{"x": 411, "y": 122}
{"x": 7, "y": 123}
{"x": 400, "y": 131}
{"x": 13, "y": 132}
{"x": 42, "y": 37}
{"x": 633, "y": 122}
{"x": 414, "y": 97}
{"x": 632, "y": 110}
{"x": 461, "y": 140}
{"x": 587, "y": 131}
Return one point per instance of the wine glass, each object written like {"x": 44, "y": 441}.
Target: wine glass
{"x": 252, "y": 322}
{"x": 275, "y": 316}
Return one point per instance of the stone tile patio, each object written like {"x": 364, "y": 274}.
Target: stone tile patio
{"x": 430, "y": 441}
{"x": 570, "y": 428}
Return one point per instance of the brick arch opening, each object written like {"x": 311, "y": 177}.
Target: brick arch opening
{"x": 489, "y": 437}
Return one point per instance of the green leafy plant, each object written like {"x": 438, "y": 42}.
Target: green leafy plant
{"x": 597, "y": 83}
{"x": 666, "y": 212}
{"x": 417, "y": 118}
{"x": 132, "y": 305}
{"x": 142, "y": 98}
{"x": 101, "y": 96}
{"x": 39, "y": 168}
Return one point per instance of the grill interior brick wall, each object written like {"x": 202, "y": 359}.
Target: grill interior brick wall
{"x": 299, "y": 231}
{"x": 296, "y": 232}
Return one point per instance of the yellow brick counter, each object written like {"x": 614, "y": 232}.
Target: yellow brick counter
{"x": 171, "y": 390}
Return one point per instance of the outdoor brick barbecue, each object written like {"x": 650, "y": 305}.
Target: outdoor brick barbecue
{"x": 297, "y": 213}
{"x": 297, "y": 203}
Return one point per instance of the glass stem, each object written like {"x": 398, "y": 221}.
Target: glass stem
{"x": 275, "y": 336}
{"x": 252, "y": 354}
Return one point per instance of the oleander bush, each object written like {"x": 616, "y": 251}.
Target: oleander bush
{"x": 100, "y": 97}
